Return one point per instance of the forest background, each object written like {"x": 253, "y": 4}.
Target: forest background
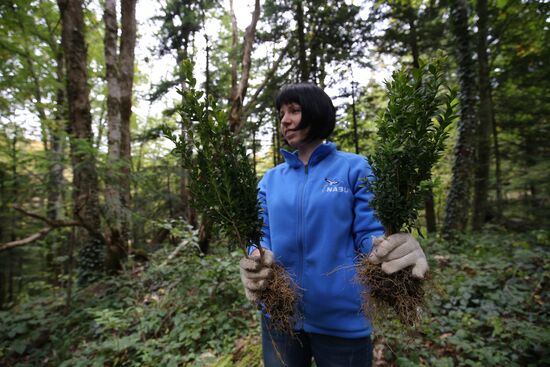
{"x": 104, "y": 262}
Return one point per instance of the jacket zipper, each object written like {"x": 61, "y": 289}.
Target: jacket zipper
{"x": 301, "y": 232}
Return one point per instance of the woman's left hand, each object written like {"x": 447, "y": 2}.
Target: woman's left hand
{"x": 398, "y": 251}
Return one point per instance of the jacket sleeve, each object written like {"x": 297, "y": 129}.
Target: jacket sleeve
{"x": 264, "y": 214}
{"x": 265, "y": 241}
{"x": 366, "y": 225}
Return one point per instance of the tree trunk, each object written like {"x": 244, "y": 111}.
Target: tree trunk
{"x": 85, "y": 181}
{"x": 3, "y": 203}
{"x": 2, "y": 287}
{"x": 254, "y": 147}
{"x": 413, "y": 37}
{"x": 57, "y": 139}
{"x": 116, "y": 246}
{"x": 304, "y": 70}
{"x": 234, "y": 48}
{"x": 126, "y": 77}
{"x": 184, "y": 209}
{"x": 498, "y": 179}
{"x": 14, "y": 184}
{"x": 205, "y": 235}
{"x": 529, "y": 147}
{"x": 238, "y": 93}
{"x": 481, "y": 186}
{"x": 120, "y": 75}
{"x": 458, "y": 200}
{"x": 429, "y": 206}
{"x": 354, "y": 112}
{"x": 11, "y": 276}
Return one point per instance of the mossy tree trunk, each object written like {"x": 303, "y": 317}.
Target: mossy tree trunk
{"x": 458, "y": 199}
{"x": 85, "y": 180}
{"x": 483, "y": 156}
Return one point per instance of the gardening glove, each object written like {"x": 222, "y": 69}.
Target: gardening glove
{"x": 255, "y": 272}
{"x": 398, "y": 251}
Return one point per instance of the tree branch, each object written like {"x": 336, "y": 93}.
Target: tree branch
{"x": 32, "y": 238}
{"x": 248, "y": 107}
{"x": 52, "y": 224}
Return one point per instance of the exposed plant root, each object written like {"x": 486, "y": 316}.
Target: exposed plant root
{"x": 399, "y": 292}
{"x": 280, "y": 300}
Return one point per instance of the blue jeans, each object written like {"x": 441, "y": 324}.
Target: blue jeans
{"x": 328, "y": 351}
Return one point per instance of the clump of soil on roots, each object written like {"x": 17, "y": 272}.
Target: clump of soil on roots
{"x": 280, "y": 300}
{"x": 399, "y": 293}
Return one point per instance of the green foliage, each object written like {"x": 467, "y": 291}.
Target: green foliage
{"x": 223, "y": 183}
{"x": 172, "y": 312}
{"x": 91, "y": 261}
{"x": 490, "y": 307}
{"x": 408, "y": 26}
{"x": 411, "y": 136}
{"x": 522, "y": 76}
{"x": 334, "y": 33}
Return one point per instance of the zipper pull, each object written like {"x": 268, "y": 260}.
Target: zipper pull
{"x": 306, "y": 168}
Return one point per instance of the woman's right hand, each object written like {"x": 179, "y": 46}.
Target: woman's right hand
{"x": 255, "y": 272}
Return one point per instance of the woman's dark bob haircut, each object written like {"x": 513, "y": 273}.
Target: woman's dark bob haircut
{"x": 318, "y": 112}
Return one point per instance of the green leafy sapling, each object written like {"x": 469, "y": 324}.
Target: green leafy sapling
{"x": 222, "y": 185}
{"x": 223, "y": 188}
{"x": 410, "y": 140}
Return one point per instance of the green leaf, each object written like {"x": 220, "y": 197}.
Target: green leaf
{"x": 19, "y": 346}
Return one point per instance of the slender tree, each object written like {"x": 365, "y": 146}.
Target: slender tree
{"x": 302, "y": 47}
{"x": 484, "y": 128}
{"x": 240, "y": 86}
{"x": 56, "y": 180}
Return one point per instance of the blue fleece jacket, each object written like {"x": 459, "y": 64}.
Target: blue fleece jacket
{"x": 316, "y": 220}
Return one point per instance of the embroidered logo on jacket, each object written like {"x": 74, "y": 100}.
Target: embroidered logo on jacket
{"x": 334, "y": 185}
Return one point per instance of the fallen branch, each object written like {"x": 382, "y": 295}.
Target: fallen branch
{"x": 32, "y": 238}
{"x": 52, "y": 224}
{"x": 175, "y": 253}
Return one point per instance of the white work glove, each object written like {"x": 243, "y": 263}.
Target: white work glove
{"x": 255, "y": 273}
{"x": 398, "y": 251}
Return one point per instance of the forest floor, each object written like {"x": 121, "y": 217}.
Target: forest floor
{"x": 489, "y": 305}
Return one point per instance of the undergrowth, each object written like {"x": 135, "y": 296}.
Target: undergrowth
{"x": 491, "y": 308}
{"x": 167, "y": 313}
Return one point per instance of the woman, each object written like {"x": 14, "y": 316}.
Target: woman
{"x": 316, "y": 220}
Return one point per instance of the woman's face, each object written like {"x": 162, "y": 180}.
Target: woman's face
{"x": 291, "y": 115}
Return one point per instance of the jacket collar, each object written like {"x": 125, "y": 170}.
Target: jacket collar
{"x": 317, "y": 156}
